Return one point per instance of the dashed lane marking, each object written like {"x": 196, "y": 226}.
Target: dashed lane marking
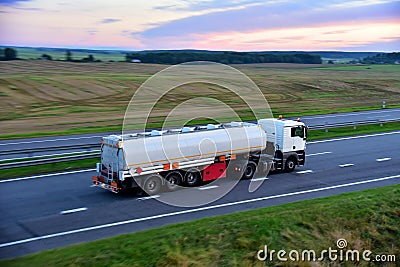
{"x": 383, "y": 159}
{"x": 73, "y": 210}
{"x": 305, "y": 171}
{"x": 149, "y": 197}
{"x": 320, "y": 153}
{"x": 259, "y": 179}
{"x": 208, "y": 187}
{"x": 346, "y": 165}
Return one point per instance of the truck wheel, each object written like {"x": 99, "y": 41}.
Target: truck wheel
{"x": 153, "y": 185}
{"x": 290, "y": 164}
{"x": 173, "y": 181}
{"x": 249, "y": 170}
{"x": 192, "y": 178}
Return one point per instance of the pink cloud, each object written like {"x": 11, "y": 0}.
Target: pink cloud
{"x": 323, "y": 37}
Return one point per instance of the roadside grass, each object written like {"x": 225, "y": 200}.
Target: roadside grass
{"x": 365, "y": 219}
{"x": 48, "y": 168}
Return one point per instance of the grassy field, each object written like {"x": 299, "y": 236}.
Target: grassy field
{"x": 365, "y": 219}
{"x": 62, "y": 97}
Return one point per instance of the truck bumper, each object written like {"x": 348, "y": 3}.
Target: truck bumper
{"x": 113, "y": 187}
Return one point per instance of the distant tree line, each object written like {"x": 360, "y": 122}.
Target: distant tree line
{"x": 89, "y": 58}
{"x": 223, "y": 57}
{"x": 68, "y": 57}
{"x": 11, "y": 54}
{"x": 8, "y": 54}
{"x": 383, "y": 58}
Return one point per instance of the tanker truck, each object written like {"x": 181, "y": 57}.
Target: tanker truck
{"x": 190, "y": 156}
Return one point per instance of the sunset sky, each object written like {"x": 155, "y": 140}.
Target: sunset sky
{"x": 241, "y": 25}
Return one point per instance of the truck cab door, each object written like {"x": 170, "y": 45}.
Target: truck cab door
{"x": 298, "y": 137}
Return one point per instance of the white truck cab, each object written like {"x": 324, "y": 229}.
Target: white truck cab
{"x": 289, "y": 140}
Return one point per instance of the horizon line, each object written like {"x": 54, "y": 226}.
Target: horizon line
{"x": 186, "y": 49}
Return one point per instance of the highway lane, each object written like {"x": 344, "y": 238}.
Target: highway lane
{"x": 48, "y": 142}
{"x": 31, "y": 208}
{"x": 83, "y": 139}
{"x": 349, "y": 117}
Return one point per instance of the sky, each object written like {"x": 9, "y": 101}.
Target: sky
{"x": 239, "y": 25}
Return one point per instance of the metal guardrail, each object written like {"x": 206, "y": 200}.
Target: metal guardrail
{"x": 93, "y": 155}
{"x": 46, "y": 161}
{"x": 354, "y": 124}
{"x": 50, "y": 148}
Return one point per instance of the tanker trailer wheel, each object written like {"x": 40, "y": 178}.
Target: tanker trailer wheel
{"x": 153, "y": 184}
{"x": 173, "y": 180}
{"x": 290, "y": 164}
{"x": 193, "y": 177}
{"x": 249, "y": 171}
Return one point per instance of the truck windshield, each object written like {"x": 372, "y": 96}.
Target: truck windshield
{"x": 298, "y": 131}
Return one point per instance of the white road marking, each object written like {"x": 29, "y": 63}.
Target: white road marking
{"x": 51, "y": 140}
{"x": 351, "y": 137}
{"x": 259, "y": 179}
{"x": 346, "y": 165}
{"x": 45, "y": 175}
{"x": 306, "y": 171}
{"x": 383, "y": 159}
{"x": 96, "y": 227}
{"x": 73, "y": 210}
{"x": 320, "y": 153}
{"x": 149, "y": 197}
{"x": 207, "y": 187}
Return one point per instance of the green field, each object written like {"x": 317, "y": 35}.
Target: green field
{"x": 55, "y": 97}
{"x": 365, "y": 219}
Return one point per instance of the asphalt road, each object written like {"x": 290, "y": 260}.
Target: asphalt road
{"x": 350, "y": 117}
{"x": 52, "y": 211}
{"x": 83, "y": 139}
